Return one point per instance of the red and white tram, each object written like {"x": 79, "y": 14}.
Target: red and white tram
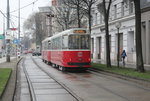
{"x": 68, "y": 49}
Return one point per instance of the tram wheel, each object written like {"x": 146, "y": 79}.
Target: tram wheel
{"x": 53, "y": 65}
{"x": 63, "y": 69}
{"x": 49, "y": 63}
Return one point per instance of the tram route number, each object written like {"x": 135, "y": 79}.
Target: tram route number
{"x": 80, "y": 31}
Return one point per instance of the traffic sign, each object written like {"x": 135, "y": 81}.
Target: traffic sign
{"x": 13, "y": 29}
{"x": 1, "y": 37}
{"x": 16, "y": 41}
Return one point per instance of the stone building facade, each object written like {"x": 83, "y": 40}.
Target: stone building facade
{"x": 145, "y": 8}
{"x": 121, "y": 11}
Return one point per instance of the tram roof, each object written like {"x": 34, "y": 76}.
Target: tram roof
{"x": 66, "y": 32}
{"x": 46, "y": 39}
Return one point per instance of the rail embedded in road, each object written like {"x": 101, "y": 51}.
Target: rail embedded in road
{"x": 42, "y": 87}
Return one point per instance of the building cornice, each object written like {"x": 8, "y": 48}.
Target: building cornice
{"x": 123, "y": 19}
{"x": 145, "y": 9}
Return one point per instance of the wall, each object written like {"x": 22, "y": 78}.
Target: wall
{"x": 127, "y": 30}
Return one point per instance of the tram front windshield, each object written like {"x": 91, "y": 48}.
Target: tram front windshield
{"x": 79, "y": 42}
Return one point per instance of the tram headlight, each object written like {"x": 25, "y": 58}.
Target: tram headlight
{"x": 89, "y": 59}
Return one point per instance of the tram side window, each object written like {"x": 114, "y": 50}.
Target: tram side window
{"x": 44, "y": 45}
{"x": 53, "y": 44}
{"x": 58, "y": 42}
{"x": 65, "y": 42}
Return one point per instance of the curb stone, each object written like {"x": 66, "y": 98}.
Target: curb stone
{"x": 126, "y": 77}
{"x": 12, "y": 77}
{"x": 6, "y": 85}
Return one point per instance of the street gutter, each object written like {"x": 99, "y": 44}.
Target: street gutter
{"x": 140, "y": 81}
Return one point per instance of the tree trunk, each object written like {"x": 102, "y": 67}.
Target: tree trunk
{"x": 106, "y": 19}
{"x": 89, "y": 15}
{"x": 139, "y": 56}
{"x": 78, "y": 14}
{"x": 108, "y": 61}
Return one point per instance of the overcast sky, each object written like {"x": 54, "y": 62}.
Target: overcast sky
{"x": 25, "y": 12}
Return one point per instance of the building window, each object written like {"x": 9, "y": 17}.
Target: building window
{"x": 131, "y": 7}
{"x": 101, "y": 18}
{"x": 95, "y": 18}
{"x": 122, "y": 9}
{"x": 148, "y": 0}
{"x": 115, "y": 11}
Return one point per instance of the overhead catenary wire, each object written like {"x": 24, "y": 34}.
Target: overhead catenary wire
{"x": 33, "y": 7}
{"x": 12, "y": 23}
{"x": 17, "y": 16}
{"x": 3, "y": 14}
{"x": 24, "y": 6}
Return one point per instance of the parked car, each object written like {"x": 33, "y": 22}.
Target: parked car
{"x": 36, "y": 53}
{"x": 25, "y": 51}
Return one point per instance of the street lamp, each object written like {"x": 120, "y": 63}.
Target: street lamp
{"x": 118, "y": 25}
{"x": 8, "y": 40}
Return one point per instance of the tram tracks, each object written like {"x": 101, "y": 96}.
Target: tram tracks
{"x": 101, "y": 86}
{"x": 138, "y": 82}
{"x": 31, "y": 89}
{"x": 60, "y": 83}
{"x": 84, "y": 78}
{"x": 64, "y": 91}
{"x": 81, "y": 77}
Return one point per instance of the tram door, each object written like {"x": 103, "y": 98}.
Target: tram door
{"x": 92, "y": 47}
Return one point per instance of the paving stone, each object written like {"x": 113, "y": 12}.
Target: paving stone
{"x": 50, "y": 91}
{"x": 64, "y": 97}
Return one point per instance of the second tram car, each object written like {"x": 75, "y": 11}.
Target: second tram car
{"x": 68, "y": 49}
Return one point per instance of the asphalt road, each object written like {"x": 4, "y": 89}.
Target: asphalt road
{"x": 85, "y": 86}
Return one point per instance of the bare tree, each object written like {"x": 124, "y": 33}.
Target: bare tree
{"x": 40, "y": 25}
{"x": 35, "y": 25}
{"x": 26, "y": 41}
{"x": 139, "y": 56}
{"x": 88, "y": 8}
{"x": 65, "y": 16}
{"x": 105, "y": 9}
{"x": 29, "y": 26}
{"x": 76, "y": 4}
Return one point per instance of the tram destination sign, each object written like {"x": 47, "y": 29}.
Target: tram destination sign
{"x": 80, "y": 31}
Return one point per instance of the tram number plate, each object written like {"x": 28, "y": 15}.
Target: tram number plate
{"x": 79, "y": 54}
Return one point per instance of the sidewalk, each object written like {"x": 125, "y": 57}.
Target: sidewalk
{"x": 3, "y": 59}
{"x": 10, "y": 87}
{"x": 129, "y": 65}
